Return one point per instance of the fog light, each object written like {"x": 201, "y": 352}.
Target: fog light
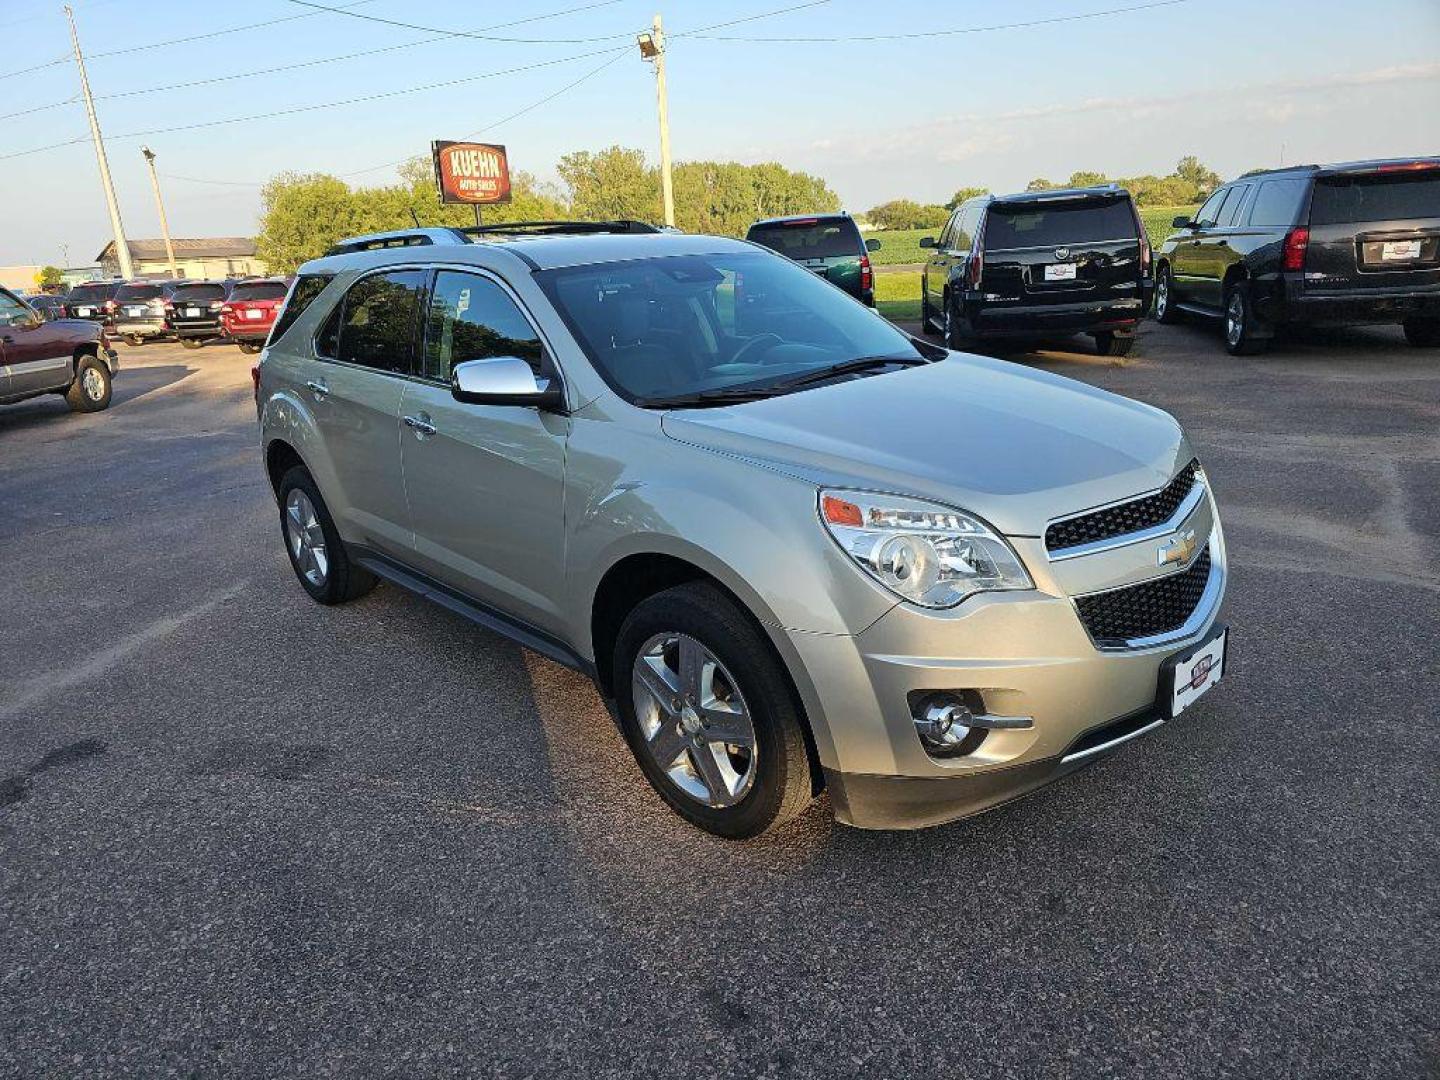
{"x": 943, "y": 723}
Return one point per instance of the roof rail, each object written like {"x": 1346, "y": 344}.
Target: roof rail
{"x": 398, "y": 238}
{"x": 554, "y": 228}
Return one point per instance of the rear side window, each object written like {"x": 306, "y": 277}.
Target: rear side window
{"x": 963, "y": 238}
{"x": 193, "y": 293}
{"x": 810, "y": 238}
{"x": 472, "y": 318}
{"x": 1345, "y": 200}
{"x": 1278, "y": 202}
{"x": 259, "y": 290}
{"x": 1052, "y": 225}
{"x": 377, "y": 325}
{"x": 307, "y": 288}
{"x": 1230, "y": 213}
{"x": 137, "y": 292}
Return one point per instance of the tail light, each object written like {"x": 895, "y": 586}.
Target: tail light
{"x": 867, "y": 275}
{"x": 216, "y": 306}
{"x": 975, "y": 268}
{"x": 226, "y": 309}
{"x": 111, "y": 305}
{"x": 1296, "y": 241}
{"x": 1145, "y": 252}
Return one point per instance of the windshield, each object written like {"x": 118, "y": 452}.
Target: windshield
{"x": 1398, "y": 196}
{"x": 1050, "y": 225}
{"x": 668, "y": 328}
{"x": 259, "y": 290}
{"x": 810, "y": 239}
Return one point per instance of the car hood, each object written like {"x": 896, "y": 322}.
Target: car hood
{"x": 1016, "y": 446}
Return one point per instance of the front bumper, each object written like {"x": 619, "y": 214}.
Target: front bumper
{"x": 1029, "y": 658}
{"x": 999, "y": 318}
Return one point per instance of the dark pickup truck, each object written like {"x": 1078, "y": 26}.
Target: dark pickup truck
{"x": 1314, "y": 244}
{"x": 72, "y": 357}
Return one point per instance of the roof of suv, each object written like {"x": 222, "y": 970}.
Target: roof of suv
{"x": 545, "y": 252}
{"x": 1364, "y": 166}
{"x": 1056, "y": 194}
{"x": 837, "y": 215}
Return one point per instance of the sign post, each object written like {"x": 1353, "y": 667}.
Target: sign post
{"x": 477, "y": 174}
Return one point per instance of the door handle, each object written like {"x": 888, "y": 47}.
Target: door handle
{"x": 420, "y": 424}
{"x": 319, "y": 389}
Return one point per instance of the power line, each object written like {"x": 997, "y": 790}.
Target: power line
{"x": 934, "y": 33}
{"x": 38, "y": 67}
{"x": 458, "y": 33}
{"x": 255, "y": 72}
{"x": 217, "y": 33}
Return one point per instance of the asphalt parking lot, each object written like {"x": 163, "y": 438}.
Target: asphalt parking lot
{"x": 244, "y": 834}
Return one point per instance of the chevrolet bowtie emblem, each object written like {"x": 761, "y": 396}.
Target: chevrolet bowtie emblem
{"x": 1178, "y": 550}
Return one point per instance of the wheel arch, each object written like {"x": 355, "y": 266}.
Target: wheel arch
{"x": 280, "y": 458}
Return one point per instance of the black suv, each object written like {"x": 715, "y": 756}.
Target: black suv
{"x": 194, "y": 311}
{"x": 1073, "y": 261}
{"x": 1314, "y": 244}
{"x": 93, "y": 300}
{"x": 827, "y": 244}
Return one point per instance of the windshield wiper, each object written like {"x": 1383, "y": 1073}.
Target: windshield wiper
{"x": 730, "y": 394}
{"x": 848, "y": 367}
{"x": 723, "y": 395}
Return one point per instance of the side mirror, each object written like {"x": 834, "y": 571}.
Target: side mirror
{"x": 504, "y": 380}
{"x": 1182, "y": 222}
{"x": 927, "y": 241}
{"x": 872, "y": 245}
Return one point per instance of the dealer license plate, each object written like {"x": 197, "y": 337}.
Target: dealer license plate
{"x": 251, "y": 313}
{"x": 135, "y": 312}
{"x": 1060, "y": 272}
{"x": 1196, "y": 672}
{"x": 192, "y": 312}
{"x": 1392, "y": 250}
{"x": 83, "y": 311}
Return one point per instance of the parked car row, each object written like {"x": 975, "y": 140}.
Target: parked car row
{"x": 191, "y": 312}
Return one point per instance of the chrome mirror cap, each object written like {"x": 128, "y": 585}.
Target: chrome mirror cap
{"x": 503, "y": 380}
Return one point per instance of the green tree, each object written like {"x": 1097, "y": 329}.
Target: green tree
{"x": 1159, "y": 190}
{"x": 49, "y": 277}
{"x": 1086, "y": 178}
{"x": 1041, "y": 184}
{"x": 1201, "y": 177}
{"x": 725, "y": 197}
{"x": 964, "y": 194}
{"x": 611, "y": 184}
{"x": 301, "y": 215}
{"x": 906, "y": 214}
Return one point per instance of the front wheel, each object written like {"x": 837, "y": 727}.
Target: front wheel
{"x": 1165, "y": 309}
{"x": 1423, "y": 333}
{"x": 1240, "y": 339}
{"x": 90, "y": 390}
{"x": 710, "y": 714}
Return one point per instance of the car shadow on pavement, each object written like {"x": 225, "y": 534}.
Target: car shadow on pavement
{"x": 130, "y": 384}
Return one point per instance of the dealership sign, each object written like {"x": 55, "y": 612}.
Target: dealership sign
{"x": 471, "y": 172}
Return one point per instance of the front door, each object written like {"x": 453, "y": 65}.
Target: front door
{"x": 369, "y": 343}
{"x": 37, "y": 356}
{"x": 485, "y": 483}
{"x": 937, "y": 266}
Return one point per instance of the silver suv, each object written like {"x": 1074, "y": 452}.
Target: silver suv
{"x": 796, "y": 548}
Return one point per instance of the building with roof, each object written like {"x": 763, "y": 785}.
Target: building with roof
{"x": 212, "y": 257}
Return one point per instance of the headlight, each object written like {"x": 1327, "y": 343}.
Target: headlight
{"x": 923, "y": 552}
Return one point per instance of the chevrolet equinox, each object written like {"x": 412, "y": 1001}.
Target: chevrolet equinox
{"x": 796, "y": 548}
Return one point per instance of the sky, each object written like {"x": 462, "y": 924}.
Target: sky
{"x": 910, "y": 112}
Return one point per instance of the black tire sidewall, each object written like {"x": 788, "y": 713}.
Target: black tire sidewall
{"x": 343, "y": 581}
{"x": 1248, "y": 345}
{"x": 1171, "y": 315}
{"x": 707, "y": 614}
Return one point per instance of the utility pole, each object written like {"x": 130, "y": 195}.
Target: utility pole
{"x": 122, "y": 248}
{"x": 160, "y": 206}
{"x": 652, "y": 49}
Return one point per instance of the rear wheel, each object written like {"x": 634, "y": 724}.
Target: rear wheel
{"x": 953, "y": 325}
{"x": 316, "y": 552}
{"x": 1165, "y": 309}
{"x": 1240, "y": 339}
{"x": 90, "y": 389}
{"x": 926, "y": 314}
{"x": 192, "y": 342}
{"x": 1109, "y": 343}
{"x": 1423, "y": 333}
{"x": 709, "y": 713}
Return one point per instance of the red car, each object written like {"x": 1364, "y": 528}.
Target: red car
{"x": 246, "y": 318}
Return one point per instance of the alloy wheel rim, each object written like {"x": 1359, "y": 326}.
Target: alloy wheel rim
{"x": 94, "y": 385}
{"x": 1162, "y": 294}
{"x": 306, "y": 538}
{"x": 1234, "y": 319}
{"x": 694, "y": 720}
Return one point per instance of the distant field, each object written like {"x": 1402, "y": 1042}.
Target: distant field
{"x": 897, "y": 295}
{"x": 903, "y": 245}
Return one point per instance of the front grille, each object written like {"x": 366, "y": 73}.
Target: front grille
{"x": 1130, "y": 517}
{"x": 1157, "y": 606}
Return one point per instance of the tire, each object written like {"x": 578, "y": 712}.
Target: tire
{"x": 90, "y": 390}
{"x": 249, "y": 347}
{"x": 1165, "y": 310}
{"x": 1240, "y": 337}
{"x": 741, "y": 793}
{"x": 192, "y": 342}
{"x": 330, "y": 578}
{"x": 1423, "y": 333}
{"x": 953, "y": 327}
{"x": 134, "y": 340}
{"x": 926, "y": 315}
{"x": 1109, "y": 343}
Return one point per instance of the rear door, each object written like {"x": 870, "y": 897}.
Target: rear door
{"x": 1065, "y": 251}
{"x": 1378, "y": 229}
{"x": 485, "y": 483}
{"x": 367, "y": 351}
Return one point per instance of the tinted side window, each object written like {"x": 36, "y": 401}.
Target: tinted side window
{"x": 1207, "y": 214}
{"x": 11, "y": 309}
{"x": 1278, "y": 202}
{"x": 472, "y": 318}
{"x": 377, "y": 326}
{"x": 1230, "y": 213}
{"x": 948, "y": 231}
{"x": 965, "y": 224}
{"x": 307, "y": 288}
